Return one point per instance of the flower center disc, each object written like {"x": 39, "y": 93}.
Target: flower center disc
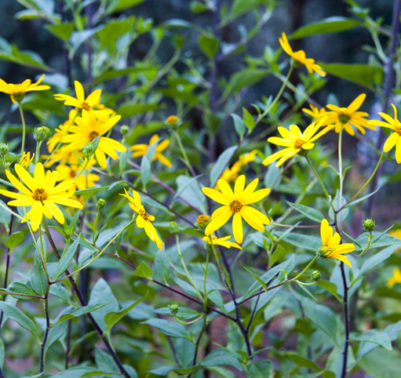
{"x": 235, "y": 206}
{"x": 143, "y": 214}
{"x": 343, "y": 118}
{"x": 85, "y": 106}
{"x": 72, "y": 173}
{"x": 39, "y": 195}
{"x": 93, "y": 135}
{"x": 299, "y": 143}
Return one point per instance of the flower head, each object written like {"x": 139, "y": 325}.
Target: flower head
{"x": 142, "y": 149}
{"x": 143, "y": 219}
{"x": 316, "y": 113}
{"x": 395, "y": 137}
{"x": 89, "y": 127}
{"x": 236, "y": 204}
{"x": 18, "y": 91}
{"x": 81, "y": 180}
{"x": 294, "y": 141}
{"x": 396, "y": 278}
{"x": 172, "y": 119}
{"x": 331, "y": 244}
{"x": 26, "y": 159}
{"x": 346, "y": 117}
{"x": 41, "y": 194}
{"x": 80, "y": 102}
{"x": 224, "y": 241}
{"x": 300, "y": 56}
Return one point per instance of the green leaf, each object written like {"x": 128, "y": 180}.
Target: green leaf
{"x": 13, "y": 312}
{"x": 378, "y": 258}
{"x": 112, "y": 318}
{"x": 19, "y": 287}
{"x": 240, "y": 7}
{"x": 188, "y": 188}
{"x": 361, "y": 74}
{"x": 375, "y": 336}
{"x": 79, "y": 37}
{"x": 62, "y": 31}
{"x": 131, "y": 109}
{"x": 302, "y": 361}
{"x": 330, "y": 287}
{"x": 309, "y": 212}
{"x": 66, "y": 258}
{"x": 38, "y": 278}
{"x": 78, "y": 312}
{"x": 248, "y": 119}
{"x": 302, "y": 241}
{"x": 221, "y": 164}
{"x": 15, "y": 239}
{"x": 5, "y": 216}
{"x": 209, "y": 45}
{"x": 168, "y": 328}
{"x": 11, "y": 53}
{"x": 328, "y": 25}
{"x": 119, "y": 5}
{"x": 260, "y": 369}
{"x": 144, "y": 271}
{"x": 256, "y": 277}
{"x": 243, "y": 79}
{"x": 239, "y": 125}
{"x": 220, "y": 357}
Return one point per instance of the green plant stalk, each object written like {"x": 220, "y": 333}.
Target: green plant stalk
{"x": 185, "y": 267}
{"x": 37, "y": 155}
{"x": 341, "y": 179}
{"x": 21, "y": 112}
{"x": 224, "y": 274}
{"x": 184, "y": 153}
{"x": 46, "y": 334}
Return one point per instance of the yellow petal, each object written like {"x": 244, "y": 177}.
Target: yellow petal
{"x": 237, "y": 228}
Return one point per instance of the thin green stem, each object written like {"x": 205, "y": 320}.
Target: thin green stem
{"x": 341, "y": 178}
{"x": 21, "y": 112}
{"x": 184, "y": 153}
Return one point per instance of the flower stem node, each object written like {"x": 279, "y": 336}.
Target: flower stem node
{"x": 101, "y": 203}
{"x": 174, "y": 308}
{"x": 369, "y": 225}
{"x": 315, "y": 275}
{"x": 41, "y": 134}
{"x": 3, "y": 150}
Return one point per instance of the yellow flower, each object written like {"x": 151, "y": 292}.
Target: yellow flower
{"x": 202, "y": 219}
{"x": 80, "y": 102}
{"x": 231, "y": 174}
{"x": 171, "y": 120}
{"x": 244, "y": 159}
{"x": 41, "y": 193}
{"x": 142, "y": 149}
{"x": 61, "y": 131}
{"x": 331, "y": 244}
{"x": 87, "y": 128}
{"x": 224, "y": 242}
{"x": 300, "y": 57}
{"x": 143, "y": 219}
{"x": 294, "y": 141}
{"x": 316, "y": 113}
{"x": 236, "y": 203}
{"x": 396, "y": 233}
{"x": 345, "y": 118}
{"x": 81, "y": 181}
{"x": 395, "y": 138}
{"x": 395, "y": 279}
{"x": 26, "y": 159}
{"x": 17, "y": 91}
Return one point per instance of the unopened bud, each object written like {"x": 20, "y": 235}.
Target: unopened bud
{"x": 41, "y": 133}
{"x": 3, "y": 149}
{"x": 315, "y": 275}
{"x": 369, "y": 225}
{"x": 174, "y": 227}
{"x": 172, "y": 120}
{"x": 124, "y": 129}
{"x": 88, "y": 150}
{"x": 202, "y": 220}
{"x": 101, "y": 203}
{"x": 174, "y": 308}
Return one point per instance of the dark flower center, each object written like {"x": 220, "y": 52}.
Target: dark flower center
{"x": 85, "y": 106}
{"x": 343, "y": 118}
{"x": 299, "y": 143}
{"x": 39, "y": 195}
{"x": 93, "y": 135}
{"x": 235, "y": 206}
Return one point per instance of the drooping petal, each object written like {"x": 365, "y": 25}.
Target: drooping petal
{"x": 391, "y": 142}
{"x": 237, "y": 228}
{"x": 219, "y": 218}
{"x": 18, "y": 185}
{"x": 326, "y": 232}
{"x": 254, "y": 218}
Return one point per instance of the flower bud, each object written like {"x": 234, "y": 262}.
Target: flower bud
{"x": 124, "y": 129}
{"x": 315, "y": 275}
{"x": 3, "y": 149}
{"x": 202, "y": 220}
{"x": 41, "y": 133}
{"x": 174, "y": 227}
{"x": 369, "y": 225}
{"x": 172, "y": 120}
{"x": 88, "y": 150}
{"x": 101, "y": 203}
{"x": 174, "y": 308}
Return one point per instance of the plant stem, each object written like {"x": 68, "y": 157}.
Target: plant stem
{"x": 43, "y": 345}
{"x": 341, "y": 178}
{"x": 184, "y": 153}
{"x": 21, "y": 112}
{"x": 346, "y": 321}
{"x": 68, "y": 344}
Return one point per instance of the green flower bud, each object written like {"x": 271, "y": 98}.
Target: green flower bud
{"x": 369, "y": 225}
{"x": 174, "y": 308}
{"x": 41, "y": 133}
{"x": 174, "y": 227}
{"x": 101, "y": 203}
{"x": 315, "y": 275}
{"x": 124, "y": 129}
{"x": 88, "y": 150}
{"x": 3, "y": 149}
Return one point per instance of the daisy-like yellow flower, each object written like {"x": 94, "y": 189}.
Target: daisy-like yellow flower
{"x": 316, "y": 113}
{"x": 80, "y": 102}
{"x": 41, "y": 194}
{"x": 26, "y": 159}
{"x": 223, "y": 241}
{"x": 396, "y": 233}
{"x": 18, "y": 91}
{"x": 344, "y": 118}
{"x": 331, "y": 244}
{"x": 87, "y": 128}
{"x": 294, "y": 141}
{"x": 143, "y": 219}
{"x": 142, "y": 149}
{"x": 81, "y": 180}
{"x": 300, "y": 56}
{"x": 61, "y": 131}
{"x": 396, "y": 278}
{"x": 231, "y": 173}
{"x": 395, "y": 137}
{"x": 236, "y": 204}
